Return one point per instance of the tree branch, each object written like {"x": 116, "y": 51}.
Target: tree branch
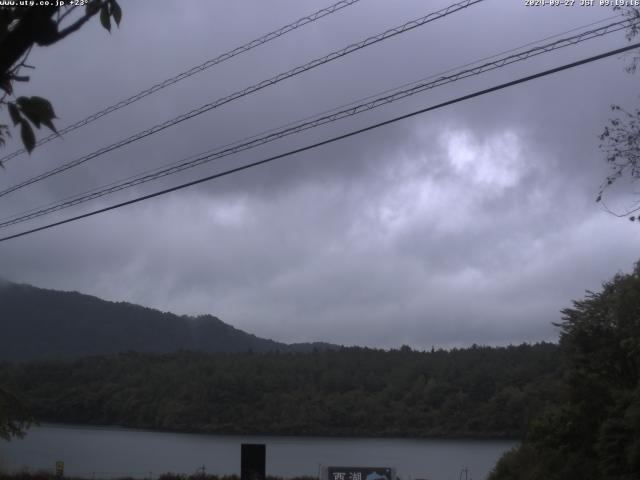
{"x": 76, "y": 25}
{"x": 69, "y": 10}
{"x": 20, "y": 39}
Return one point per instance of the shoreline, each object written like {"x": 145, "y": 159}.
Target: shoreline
{"x": 91, "y": 426}
{"x": 114, "y": 452}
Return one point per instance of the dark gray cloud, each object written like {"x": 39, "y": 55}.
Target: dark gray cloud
{"x": 474, "y": 223}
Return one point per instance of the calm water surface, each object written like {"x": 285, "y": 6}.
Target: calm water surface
{"x": 112, "y": 452}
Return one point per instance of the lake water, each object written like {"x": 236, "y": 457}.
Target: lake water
{"x": 113, "y": 452}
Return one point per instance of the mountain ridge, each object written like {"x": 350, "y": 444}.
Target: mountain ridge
{"x": 45, "y": 324}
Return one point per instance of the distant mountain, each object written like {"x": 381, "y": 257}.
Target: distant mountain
{"x": 38, "y": 324}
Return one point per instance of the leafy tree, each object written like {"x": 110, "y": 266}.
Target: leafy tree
{"x": 620, "y": 139}
{"x": 350, "y": 391}
{"x": 22, "y": 28}
{"x": 14, "y": 417}
{"x": 595, "y": 432}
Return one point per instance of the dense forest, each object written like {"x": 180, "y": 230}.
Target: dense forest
{"x": 41, "y": 324}
{"x": 576, "y": 405}
{"x": 473, "y": 392}
{"x": 593, "y": 433}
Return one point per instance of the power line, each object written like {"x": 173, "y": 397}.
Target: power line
{"x": 254, "y": 88}
{"x": 317, "y": 121}
{"x": 208, "y": 156}
{"x": 192, "y": 71}
{"x": 328, "y": 141}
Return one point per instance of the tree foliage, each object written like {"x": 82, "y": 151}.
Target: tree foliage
{"x": 595, "y": 433}
{"x": 620, "y": 139}
{"x": 473, "y": 392}
{"x": 14, "y": 415}
{"x": 21, "y": 28}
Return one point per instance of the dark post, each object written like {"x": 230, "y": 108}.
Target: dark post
{"x": 59, "y": 469}
{"x": 253, "y": 461}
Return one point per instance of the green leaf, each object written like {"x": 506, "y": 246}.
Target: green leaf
{"x": 38, "y": 110}
{"x": 14, "y": 113}
{"x": 5, "y": 84}
{"x": 104, "y": 17}
{"x": 116, "y": 11}
{"x": 43, "y": 106}
{"x": 49, "y": 124}
{"x": 28, "y": 138}
{"x": 92, "y": 7}
{"x": 28, "y": 111}
{"x": 4, "y": 131}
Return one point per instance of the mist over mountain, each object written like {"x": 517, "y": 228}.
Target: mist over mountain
{"x": 39, "y": 324}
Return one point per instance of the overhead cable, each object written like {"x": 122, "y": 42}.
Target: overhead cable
{"x": 246, "y": 91}
{"x": 206, "y": 157}
{"x": 328, "y": 141}
{"x": 188, "y": 73}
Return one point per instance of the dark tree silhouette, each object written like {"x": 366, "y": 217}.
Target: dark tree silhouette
{"x": 595, "y": 432}
{"x": 14, "y": 417}
{"x": 21, "y": 29}
{"x": 25, "y": 27}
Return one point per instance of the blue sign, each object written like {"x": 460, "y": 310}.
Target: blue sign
{"x": 359, "y": 473}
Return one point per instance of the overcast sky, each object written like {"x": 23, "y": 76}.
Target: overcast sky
{"x": 474, "y": 223}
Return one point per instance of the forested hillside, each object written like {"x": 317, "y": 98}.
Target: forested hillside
{"x": 593, "y": 433}
{"x": 474, "y": 392}
{"x": 48, "y": 324}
